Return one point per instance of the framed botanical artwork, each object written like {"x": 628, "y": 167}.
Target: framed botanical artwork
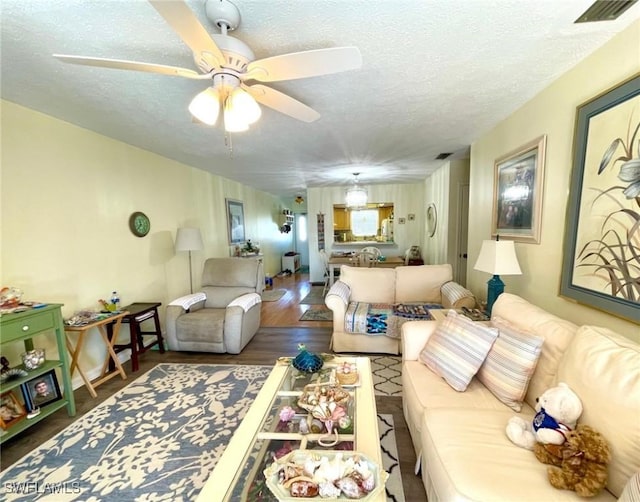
{"x": 517, "y": 193}
{"x": 235, "y": 220}
{"x": 11, "y": 410}
{"x": 41, "y": 390}
{"x": 601, "y": 260}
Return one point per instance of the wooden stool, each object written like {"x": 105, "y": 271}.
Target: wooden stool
{"x": 138, "y": 313}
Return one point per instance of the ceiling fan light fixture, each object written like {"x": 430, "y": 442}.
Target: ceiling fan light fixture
{"x": 233, "y": 121}
{"x": 206, "y": 106}
{"x": 356, "y": 197}
{"x": 244, "y": 105}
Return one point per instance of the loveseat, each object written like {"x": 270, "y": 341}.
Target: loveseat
{"x": 459, "y": 437}
{"x": 426, "y": 284}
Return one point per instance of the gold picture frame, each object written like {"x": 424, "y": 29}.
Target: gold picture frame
{"x": 11, "y": 410}
{"x": 517, "y": 193}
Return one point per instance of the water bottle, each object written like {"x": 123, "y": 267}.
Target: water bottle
{"x": 115, "y": 299}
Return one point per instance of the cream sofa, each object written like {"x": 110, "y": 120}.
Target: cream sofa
{"x": 460, "y": 436}
{"x": 424, "y": 283}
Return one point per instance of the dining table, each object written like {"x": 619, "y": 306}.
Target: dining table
{"x": 337, "y": 260}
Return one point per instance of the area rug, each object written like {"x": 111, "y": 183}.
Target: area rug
{"x": 317, "y": 315}
{"x": 387, "y": 375}
{"x": 156, "y": 439}
{"x": 315, "y": 296}
{"x": 273, "y": 295}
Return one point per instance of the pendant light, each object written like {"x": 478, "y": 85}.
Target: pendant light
{"x": 356, "y": 197}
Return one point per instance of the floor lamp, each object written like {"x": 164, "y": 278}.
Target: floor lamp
{"x": 497, "y": 258}
{"x": 189, "y": 239}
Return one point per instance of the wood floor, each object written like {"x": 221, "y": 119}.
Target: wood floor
{"x": 279, "y": 334}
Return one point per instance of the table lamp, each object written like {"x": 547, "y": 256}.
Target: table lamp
{"x": 189, "y": 239}
{"x": 497, "y": 257}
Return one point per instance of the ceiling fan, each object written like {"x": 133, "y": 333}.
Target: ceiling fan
{"x": 231, "y": 67}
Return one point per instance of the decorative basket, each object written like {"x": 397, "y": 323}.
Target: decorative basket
{"x": 314, "y": 394}
{"x": 344, "y": 463}
{"x": 347, "y": 378}
{"x": 347, "y": 374}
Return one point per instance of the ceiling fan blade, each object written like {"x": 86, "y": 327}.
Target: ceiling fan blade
{"x": 282, "y": 103}
{"x": 304, "y": 64}
{"x": 132, "y": 65}
{"x": 184, "y": 22}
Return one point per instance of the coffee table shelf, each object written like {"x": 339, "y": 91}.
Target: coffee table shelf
{"x": 239, "y": 470}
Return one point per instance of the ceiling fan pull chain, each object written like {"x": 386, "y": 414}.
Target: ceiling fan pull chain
{"x": 228, "y": 142}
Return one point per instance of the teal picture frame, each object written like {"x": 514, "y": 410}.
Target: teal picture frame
{"x": 601, "y": 256}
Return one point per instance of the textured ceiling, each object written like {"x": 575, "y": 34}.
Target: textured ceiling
{"x": 436, "y": 75}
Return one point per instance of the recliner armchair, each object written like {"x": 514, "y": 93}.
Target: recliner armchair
{"x": 225, "y": 315}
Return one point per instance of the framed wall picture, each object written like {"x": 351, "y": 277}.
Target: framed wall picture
{"x": 41, "y": 390}
{"x": 432, "y": 219}
{"x": 601, "y": 262}
{"x": 235, "y": 220}
{"x": 517, "y": 193}
{"x": 11, "y": 410}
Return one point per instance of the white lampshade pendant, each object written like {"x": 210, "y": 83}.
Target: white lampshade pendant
{"x": 356, "y": 196}
{"x": 206, "y": 106}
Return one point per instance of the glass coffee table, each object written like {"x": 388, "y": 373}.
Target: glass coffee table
{"x": 238, "y": 474}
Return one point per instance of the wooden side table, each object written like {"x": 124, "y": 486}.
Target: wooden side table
{"x": 137, "y": 314}
{"x": 112, "y": 323}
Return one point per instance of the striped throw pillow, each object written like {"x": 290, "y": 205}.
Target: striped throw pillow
{"x": 510, "y": 364}
{"x": 457, "y": 348}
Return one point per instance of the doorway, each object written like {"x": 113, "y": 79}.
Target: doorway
{"x": 301, "y": 233}
{"x": 460, "y": 272}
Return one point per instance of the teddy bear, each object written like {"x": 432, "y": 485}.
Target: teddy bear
{"x": 558, "y": 409}
{"x": 579, "y": 464}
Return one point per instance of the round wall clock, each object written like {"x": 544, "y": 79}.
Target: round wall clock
{"x": 432, "y": 219}
{"x": 139, "y": 224}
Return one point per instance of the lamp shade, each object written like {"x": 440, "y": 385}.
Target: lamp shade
{"x": 205, "y": 106}
{"x": 498, "y": 258}
{"x": 188, "y": 239}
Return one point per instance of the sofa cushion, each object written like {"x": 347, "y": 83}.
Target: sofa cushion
{"x": 557, "y": 334}
{"x": 470, "y": 458}
{"x": 370, "y": 285}
{"x": 191, "y": 327}
{"x": 421, "y": 283}
{"x": 510, "y": 364}
{"x": 603, "y": 368}
{"x": 423, "y": 389}
{"x": 457, "y": 349}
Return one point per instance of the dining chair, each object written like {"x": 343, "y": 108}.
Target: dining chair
{"x": 325, "y": 263}
{"x": 366, "y": 259}
{"x": 373, "y": 250}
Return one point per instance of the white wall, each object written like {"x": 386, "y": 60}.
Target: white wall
{"x": 552, "y": 112}
{"x": 406, "y": 199}
{"x": 66, "y": 197}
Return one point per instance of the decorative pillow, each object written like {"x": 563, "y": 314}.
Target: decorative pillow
{"x": 510, "y": 364}
{"x": 457, "y": 348}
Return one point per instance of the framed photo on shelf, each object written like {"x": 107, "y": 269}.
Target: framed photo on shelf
{"x": 41, "y": 390}
{"x": 235, "y": 220}
{"x": 517, "y": 193}
{"x": 600, "y": 257}
{"x": 11, "y": 410}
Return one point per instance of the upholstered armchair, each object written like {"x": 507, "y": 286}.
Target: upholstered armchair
{"x": 225, "y": 315}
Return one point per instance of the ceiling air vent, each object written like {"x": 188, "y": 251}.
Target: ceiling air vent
{"x": 443, "y": 156}
{"x": 605, "y": 10}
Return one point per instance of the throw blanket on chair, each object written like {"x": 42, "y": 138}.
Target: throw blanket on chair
{"x": 383, "y": 318}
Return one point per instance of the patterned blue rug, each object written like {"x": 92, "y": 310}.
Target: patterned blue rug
{"x": 157, "y": 439}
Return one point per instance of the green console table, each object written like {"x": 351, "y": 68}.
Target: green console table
{"x": 25, "y": 326}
